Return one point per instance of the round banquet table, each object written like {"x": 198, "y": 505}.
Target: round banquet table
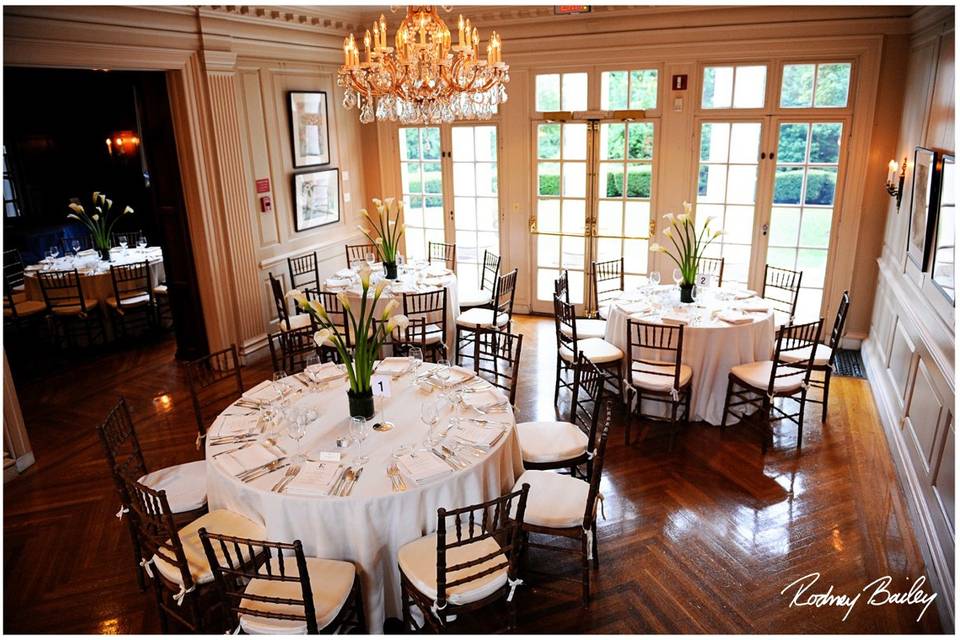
{"x": 415, "y": 277}
{"x": 369, "y": 526}
{"x": 94, "y": 273}
{"x": 711, "y": 345}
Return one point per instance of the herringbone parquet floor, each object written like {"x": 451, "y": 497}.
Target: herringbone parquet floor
{"x": 702, "y": 539}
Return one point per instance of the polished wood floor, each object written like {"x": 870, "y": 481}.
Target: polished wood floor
{"x": 701, "y": 539}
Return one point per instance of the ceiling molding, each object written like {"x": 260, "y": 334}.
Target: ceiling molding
{"x": 339, "y": 20}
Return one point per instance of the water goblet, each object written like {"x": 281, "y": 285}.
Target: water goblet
{"x": 655, "y": 278}
{"x": 358, "y": 431}
{"x": 370, "y": 258}
{"x": 141, "y": 241}
{"x": 75, "y": 245}
{"x": 677, "y": 276}
{"x": 297, "y": 428}
{"x": 416, "y": 354}
{"x": 122, "y": 241}
{"x": 54, "y": 251}
{"x": 429, "y": 416}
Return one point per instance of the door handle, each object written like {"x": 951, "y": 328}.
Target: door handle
{"x": 653, "y": 228}
{"x": 765, "y": 228}
{"x": 532, "y": 221}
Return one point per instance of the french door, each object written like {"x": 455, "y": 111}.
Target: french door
{"x": 771, "y": 185}
{"x": 594, "y": 183}
{"x": 450, "y": 188}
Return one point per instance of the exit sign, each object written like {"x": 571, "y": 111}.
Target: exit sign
{"x": 568, "y": 9}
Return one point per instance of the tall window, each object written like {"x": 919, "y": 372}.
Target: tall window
{"x": 475, "y": 201}
{"x": 422, "y": 185}
{"x": 561, "y": 92}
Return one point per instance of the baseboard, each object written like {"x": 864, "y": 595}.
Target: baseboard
{"x": 939, "y": 575}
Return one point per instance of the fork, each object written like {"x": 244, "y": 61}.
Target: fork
{"x": 288, "y": 476}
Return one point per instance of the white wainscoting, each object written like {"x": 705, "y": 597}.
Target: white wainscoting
{"x": 912, "y": 381}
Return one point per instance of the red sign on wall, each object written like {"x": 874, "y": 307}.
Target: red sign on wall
{"x": 263, "y": 185}
{"x": 679, "y": 82}
{"x": 567, "y": 9}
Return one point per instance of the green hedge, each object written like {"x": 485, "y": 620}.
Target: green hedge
{"x": 821, "y": 186}
{"x": 434, "y": 185}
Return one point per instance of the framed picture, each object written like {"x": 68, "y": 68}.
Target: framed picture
{"x": 316, "y": 198}
{"x": 923, "y": 197}
{"x": 309, "y": 128}
{"x": 944, "y": 252}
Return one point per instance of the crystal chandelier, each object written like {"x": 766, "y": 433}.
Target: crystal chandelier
{"x": 423, "y": 78}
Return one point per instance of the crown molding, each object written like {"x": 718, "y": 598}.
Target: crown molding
{"x": 333, "y": 20}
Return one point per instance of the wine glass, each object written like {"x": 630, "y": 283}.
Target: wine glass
{"x": 53, "y": 251}
{"x": 416, "y": 354}
{"x": 358, "y": 431}
{"x": 141, "y": 241}
{"x": 297, "y": 427}
{"x": 122, "y": 241}
{"x": 443, "y": 374}
{"x": 75, "y": 245}
{"x": 279, "y": 387}
{"x": 429, "y": 416}
{"x": 370, "y": 258}
{"x": 655, "y": 278}
{"x": 677, "y": 276}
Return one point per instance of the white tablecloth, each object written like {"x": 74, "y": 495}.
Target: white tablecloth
{"x": 94, "y": 273}
{"x": 369, "y": 526}
{"x": 711, "y": 347}
{"x": 414, "y": 278}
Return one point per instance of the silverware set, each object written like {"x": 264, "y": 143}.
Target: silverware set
{"x": 347, "y": 480}
{"x": 399, "y": 484}
{"x": 451, "y": 458}
{"x": 269, "y": 441}
{"x": 287, "y": 478}
{"x": 264, "y": 469}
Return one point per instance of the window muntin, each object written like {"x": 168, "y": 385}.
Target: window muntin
{"x": 561, "y": 92}
{"x": 476, "y": 204}
{"x": 734, "y": 87}
{"x": 636, "y": 89}
{"x": 421, "y": 179}
{"x": 815, "y": 85}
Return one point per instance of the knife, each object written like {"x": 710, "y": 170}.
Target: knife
{"x": 356, "y": 476}
{"x": 450, "y": 463}
{"x": 334, "y": 491}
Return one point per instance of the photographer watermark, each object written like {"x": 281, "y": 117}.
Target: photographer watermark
{"x": 806, "y": 593}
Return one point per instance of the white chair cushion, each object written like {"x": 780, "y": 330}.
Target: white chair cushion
{"x": 430, "y": 334}
{"x": 555, "y": 500}
{"x": 130, "y": 301}
{"x": 218, "y": 521}
{"x": 586, "y": 328}
{"x": 160, "y": 290}
{"x": 604, "y": 311}
{"x": 418, "y": 561}
{"x": 330, "y": 580}
{"x": 472, "y": 297}
{"x": 550, "y": 441}
{"x": 820, "y": 358}
{"x": 757, "y": 374}
{"x": 297, "y": 321}
{"x": 478, "y": 316}
{"x": 185, "y": 484}
{"x": 646, "y": 376}
{"x": 74, "y": 309}
{"x": 597, "y": 351}
{"x": 26, "y": 308}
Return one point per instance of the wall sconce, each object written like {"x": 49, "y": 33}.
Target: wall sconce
{"x": 123, "y": 144}
{"x": 894, "y": 181}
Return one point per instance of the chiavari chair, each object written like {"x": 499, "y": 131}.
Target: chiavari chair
{"x": 290, "y": 351}
{"x": 782, "y": 288}
{"x": 825, "y": 354}
{"x": 63, "y": 294}
{"x": 175, "y": 558}
{"x": 427, "y": 313}
{"x": 338, "y": 318}
{"x": 469, "y": 297}
{"x": 713, "y": 267}
{"x": 444, "y": 253}
{"x": 570, "y": 345}
{"x": 161, "y": 296}
{"x": 758, "y": 384}
{"x": 357, "y": 253}
{"x": 561, "y": 444}
{"x": 566, "y": 506}
{"x": 13, "y": 277}
{"x": 470, "y": 563}
{"x": 608, "y": 284}
{"x": 17, "y": 309}
{"x": 496, "y": 317}
{"x": 272, "y": 588}
{"x": 656, "y": 372}
{"x": 497, "y": 359}
{"x": 305, "y": 272}
{"x": 215, "y": 381}
{"x": 586, "y": 327}
{"x": 185, "y": 484}
{"x": 285, "y": 321}
{"x": 132, "y": 295}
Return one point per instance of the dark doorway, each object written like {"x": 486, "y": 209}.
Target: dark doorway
{"x": 57, "y": 124}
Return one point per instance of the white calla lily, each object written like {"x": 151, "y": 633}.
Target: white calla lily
{"x": 669, "y": 217}
{"x": 683, "y": 218}
{"x": 76, "y": 207}
{"x": 323, "y": 337}
{"x": 364, "y": 272}
{"x": 319, "y": 309}
{"x": 343, "y": 300}
{"x": 389, "y": 309}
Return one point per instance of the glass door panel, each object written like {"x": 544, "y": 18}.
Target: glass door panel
{"x": 804, "y": 195}
{"x": 727, "y": 192}
{"x": 476, "y": 204}
{"x": 561, "y": 208}
{"x": 421, "y": 178}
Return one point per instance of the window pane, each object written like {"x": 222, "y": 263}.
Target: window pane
{"x": 815, "y": 229}
{"x": 574, "y": 212}
{"x": 548, "y": 141}
{"x": 611, "y": 180}
{"x": 638, "y": 180}
{"x": 714, "y": 138}
{"x": 575, "y": 179}
{"x": 613, "y": 90}
{"x": 821, "y": 185}
{"x": 548, "y": 174}
{"x": 432, "y": 182}
{"x": 431, "y": 143}
{"x": 792, "y": 145}
{"x": 462, "y": 140}
{"x": 409, "y": 144}
{"x": 717, "y": 87}
{"x": 833, "y": 85}
{"x": 825, "y": 142}
{"x": 548, "y": 216}
{"x": 574, "y": 92}
{"x": 742, "y": 184}
{"x": 486, "y": 178}
{"x": 712, "y": 185}
{"x": 545, "y": 278}
{"x": 787, "y": 185}
{"x": 486, "y": 143}
{"x": 796, "y": 89}
{"x": 410, "y": 177}
{"x": 643, "y": 89}
{"x": 750, "y": 87}
{"x": 745, "y": 137}
{"x": 574, "y": 142}
{"x": 611, "y": 141}
{"x": 548, "y": 92}
{"x": 640, "y": 145}
{"x": 784, "y": 226}
{"x": 610, "y": 218}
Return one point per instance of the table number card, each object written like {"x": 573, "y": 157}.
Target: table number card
{"x": 704, "y": 280}
{"x": 380, "y": 386}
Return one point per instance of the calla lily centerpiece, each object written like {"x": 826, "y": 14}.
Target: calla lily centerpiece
{"x": 99, "y": 220}
{"x": 688, "y": 245}
{"x": 385, "y": 230}
{"x": 368, "y": 328}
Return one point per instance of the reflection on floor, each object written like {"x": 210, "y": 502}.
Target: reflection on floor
{"x": 702, "y": 539}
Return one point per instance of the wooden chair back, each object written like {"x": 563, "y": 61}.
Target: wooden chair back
{"x": 503, "y": 296}
{"x": 279, "y": 301}
{"x": 215, "y": 381}
{"x": 156, "y": 531}
{"x": 237, "y": 561}
{"x": 607, "y": 281}
{"x": 655, "y": 350}
{"x": 13, "y": 269}
{"x": 712, "y": 266}
{"x": 304, "y": 272}
{"x": 131, "y": 281}
{"x": 799, "y": 338}
{"x": 427, "y": 313}
{"x": 596, "y": 472}
{"x": 291, "y": 350}
{"x": 490, "y": 271}
{"x": 565, "y": 321}
{"x": 121, "y": 446}
{"x": 357, "y": 253}
{"x": 497, "y": 359}
{"x": 587, "y": 398}
{"x": 561, "y": 286}
{"x": 62, "y": 290}
{"x": 500, "y": 519}
{"x": 838, "y": 323}
{"x": 782, "y": 288}
{"x": 443, "y": 252}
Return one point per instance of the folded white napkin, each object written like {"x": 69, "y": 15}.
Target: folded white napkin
{"x": 755, "y": 307}
{"x": 437, "y": 270}
{"x": 263, "y": 392}
{"x": 479, "y": 435}
{"x": 314, "y": 479}
{"x": 322, "y": 372}
{"x": 484, "y": 399}
{"x": 231, "y": 425}
{"x": 458, "y": 375}
{"x": 338, "y": 282}
{"x": 423, "y": 468}
{"x": 87, "y": 252}
{"x": 393, "y": 366}
{"x": 346, "y": 273}
{"x": 634, "y": 307}
{"x": 245, "y": 459}
{"x": 674, "y": 318}
{"x": 743, "y": 294}
{"x": 734, "y": 317}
